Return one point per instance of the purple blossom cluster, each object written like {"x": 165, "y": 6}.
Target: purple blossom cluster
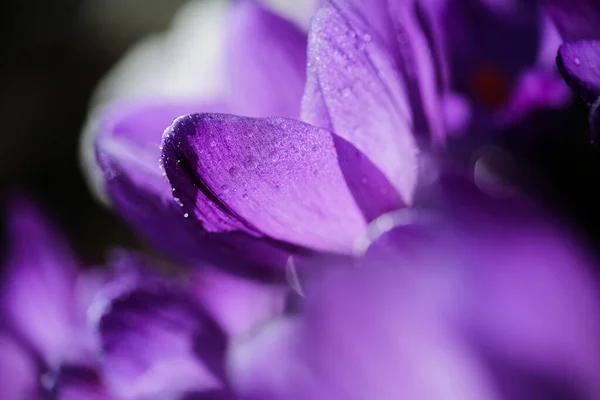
{"x": 321, "y": 221}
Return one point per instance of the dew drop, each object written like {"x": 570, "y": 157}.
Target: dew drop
{"x": 251, "y": 163}
{"x": 367, "y": 37}
{"x": 234, "y": 171}
{"x": 577, "y": 61}
{"x": 245, "y": 196}
{"x": 186, "y": 215}
{"x": 346, "y": 92}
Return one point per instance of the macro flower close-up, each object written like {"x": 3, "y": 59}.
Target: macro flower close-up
{"x": 301, "y": 199}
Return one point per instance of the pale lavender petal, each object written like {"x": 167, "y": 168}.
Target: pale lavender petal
{"x": 577, "y": 19}
{"x": 37, "y": 294}
{"x": 269, "y": 178}
{"x": 266, "y": 62}
{"x": 578, "y": 64}
{"x": 355, "y": 89}
{"x": 157, "y": 342}
{"x": 238, "y": 304}
{"x": 18, "y": 372}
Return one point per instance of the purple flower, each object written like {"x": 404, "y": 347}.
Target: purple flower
{"x": 45, "y": 343}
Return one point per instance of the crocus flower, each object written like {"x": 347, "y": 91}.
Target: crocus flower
{"x": 45, "y": 344}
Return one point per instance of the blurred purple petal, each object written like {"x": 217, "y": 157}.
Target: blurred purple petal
{"x": 578, "y": 63}
{"x": 37, "y": 294}
{"x": 18, "y": 372}
{"x": 158, "y": 343}
{"x": 238, "y": 304}
{"x": 77, "y": 383}
{"x": 354, "y": 89}
{"x": 266, "y": 62}
{"x": 535, "y": 90}
{"x": 271, "y": 177}
{"x": 577, "y": 19}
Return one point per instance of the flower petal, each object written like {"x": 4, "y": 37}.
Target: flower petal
{"x": 266, "y": 62}
{"x": 238, "y": 304}
{"x": 578, "y": 64}
{"x": 354, "y": 89}
{"x": 127, "y": 149}
{"x": 576, "y": 20}
{"x": 18, "y": 372}
{"x": 156, "y": 341}
{"x": 78, "y": 383}
{"x": 351, "y": 342}
{"x": 37, "y": 294}
{"x": 269, "y": 178}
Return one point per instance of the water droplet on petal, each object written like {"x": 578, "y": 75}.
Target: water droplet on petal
{"x": 186, "y": 215}
{"x": 234, "y": 171}
{"x": 367, "y": 37}
{"x": 577, "y": 61}
{"x": 346, "y": 92}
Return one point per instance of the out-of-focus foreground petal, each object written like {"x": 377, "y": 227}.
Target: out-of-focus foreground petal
{"x": 354, "y": 89}
{"x": 18, "y": 372}
{"x": 503, "y": 308}
{"x": 270, "y": 178}
{"x": 157, "y": 342}
{"x": 576, "y": 20}
{"x": 38, "y": 283}
{"x": 237, "y": 304}
{"x": 578, "y": 63}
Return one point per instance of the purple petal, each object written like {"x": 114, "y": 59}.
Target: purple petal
{"x": 578, "y": 64}
{"x": 238, "y": 304}
{"x": 352, "y": 342}
{"x": 535, "y": 90}
{"x": 38, "y": 285}
{"x": 78, "y": 383}
{"x": 18, "y": 372}
{"x": 157, "y": 342}
{"x": 269, "y": 178}
{"x": 576, "y": 20}
{"x": 266, "y": 62}
{"x": 354, "y": 89}
{"x": 127, "y": 148}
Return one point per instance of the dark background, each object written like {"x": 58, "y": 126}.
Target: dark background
{"x": 52, "y": 55}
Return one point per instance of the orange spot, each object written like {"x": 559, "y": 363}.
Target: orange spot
{"x": 490, "y": 86}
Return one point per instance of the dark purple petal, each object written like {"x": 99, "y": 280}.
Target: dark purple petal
{"x": 355, "y": 89}
{"x": 534, "y": 90}
{"x": 266, "y": 62}
{"x": 157, "y": 341}
{"x": 488, "y": 49}
{"x": 18, "y": 372}
{"x": 577, "y": 19}
{"x": 268, "y": 178}
{"x": 79, "y": 383}
{"x": 579, "y": 66}
{"x": 37, "y": 294}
